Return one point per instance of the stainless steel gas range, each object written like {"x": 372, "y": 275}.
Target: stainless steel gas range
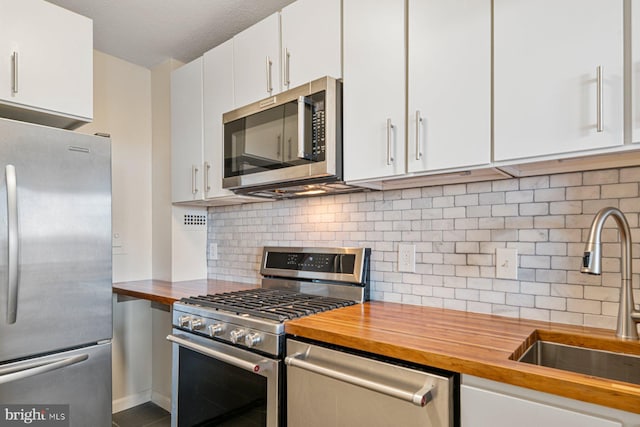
{"x": 228, "y": 348}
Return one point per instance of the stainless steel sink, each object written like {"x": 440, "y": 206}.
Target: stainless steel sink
{"x": 597, "y": 363}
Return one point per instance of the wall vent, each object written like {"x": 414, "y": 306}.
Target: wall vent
{"x": 194, "y": 221}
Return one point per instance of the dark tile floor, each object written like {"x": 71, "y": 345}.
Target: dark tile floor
{"x": 146, "y": 415}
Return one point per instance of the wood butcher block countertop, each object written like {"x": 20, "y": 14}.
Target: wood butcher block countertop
{"x": 169, "y": 292}
{"x": 471, "y": 343}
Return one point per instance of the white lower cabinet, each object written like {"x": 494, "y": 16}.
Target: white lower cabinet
{"x": 485, "y": 403}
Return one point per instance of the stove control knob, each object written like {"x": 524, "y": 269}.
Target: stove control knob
{"x": 236, "y": 335}
{"x": 183, "y": 321}
{"x": 196, "y": 324}
{"x": 252, "y": 339}
{"x": 215, "y": 329}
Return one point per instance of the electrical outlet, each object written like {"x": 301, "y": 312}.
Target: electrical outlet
{"x": 506, "y": 263}
{"x": 407, "y": 257}
{"x": 213, "y": 251}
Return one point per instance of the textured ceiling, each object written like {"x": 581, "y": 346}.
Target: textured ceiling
{"x": 147, "y": 32}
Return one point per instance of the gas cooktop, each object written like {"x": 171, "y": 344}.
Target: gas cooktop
{"x": 273, "y": 304}
{"x": 296, "y": 282}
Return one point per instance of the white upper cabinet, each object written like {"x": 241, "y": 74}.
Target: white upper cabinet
{"x": 558, "y": 76}
{"x": 256, "y": 61}
{"x": 46, "y": 63}
{"x": 635, "y": 71}
{"x": 311, "y": 41}
{"x": 448, "y": 92}
{"x": 449, "y": 84}
{"x": 187, "y": 133}
{"x": 217, "y": 99}
{"x": 287, "y": 49}
{"x": 374, "y": 89}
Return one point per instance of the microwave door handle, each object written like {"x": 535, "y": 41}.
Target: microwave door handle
{"x": 13, "y": 243}
{"x": 302, "y": 103}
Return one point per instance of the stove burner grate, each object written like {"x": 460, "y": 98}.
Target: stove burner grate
{"x": 273, "y": 304}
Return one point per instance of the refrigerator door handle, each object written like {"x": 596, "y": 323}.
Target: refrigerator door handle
{"x": 31, "y": 369}
{"x": 13, "y": 243}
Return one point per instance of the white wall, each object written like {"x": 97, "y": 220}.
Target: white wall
{"x": 162, "y": 226}
{"x": 122, "y": 108}
{"x": 161, "y": 167}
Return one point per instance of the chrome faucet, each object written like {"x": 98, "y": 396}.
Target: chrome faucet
{"x": 628, "y": 316}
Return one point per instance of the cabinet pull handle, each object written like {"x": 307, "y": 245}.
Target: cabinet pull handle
{"x": 13, "y": 243}
{"x": 207, "y": 169}
{"x": 269, "y": 85}
{"x": 194, "y": 180}
{"x": 14, "y": 83}
{"x": 390, "y": 127}
{"x": 419, "y": 398}
{"x": 599, "y": 100}
{"x": 287, "y": 64}
{"x": 418, "y": 127}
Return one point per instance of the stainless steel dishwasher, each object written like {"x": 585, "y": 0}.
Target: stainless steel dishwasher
{"x": 329, "y": 387}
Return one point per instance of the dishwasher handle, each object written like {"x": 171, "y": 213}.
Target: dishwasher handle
{"x": 418, "y": 398}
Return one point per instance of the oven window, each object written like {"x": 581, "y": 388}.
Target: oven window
{"x": 214, "y": 393}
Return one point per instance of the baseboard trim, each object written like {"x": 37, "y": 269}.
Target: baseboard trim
{"x": 161, "y": 400}
{"x": 131, "y": 401}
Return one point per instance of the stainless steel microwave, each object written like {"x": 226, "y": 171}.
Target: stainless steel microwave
{"x": 287, "y": 145}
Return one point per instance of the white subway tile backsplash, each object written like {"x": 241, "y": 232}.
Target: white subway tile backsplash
{"x": 566, "y": 180}
{"x": 534, "y": 182}
{"x": 630, "y": 174}
{"x": 456, "y": 229}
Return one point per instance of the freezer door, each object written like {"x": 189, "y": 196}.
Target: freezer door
{"x": 84, "y": 384}
{"x": 55, "y": 239}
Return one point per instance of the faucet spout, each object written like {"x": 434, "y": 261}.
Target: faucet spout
{"x": 628, "y": 316}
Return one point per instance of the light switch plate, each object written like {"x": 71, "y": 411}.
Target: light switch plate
{"x": 407, "y": 257}
{"x": 506, "y": 263}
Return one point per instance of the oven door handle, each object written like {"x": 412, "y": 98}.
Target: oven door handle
{"x": 418, "y": 398}
{"x": 257, "y": 368}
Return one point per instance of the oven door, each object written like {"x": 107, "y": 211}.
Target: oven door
{"x": 218, "y": 384}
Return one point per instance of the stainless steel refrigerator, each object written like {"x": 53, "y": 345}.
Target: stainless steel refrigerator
{"x": 55, "y": 273}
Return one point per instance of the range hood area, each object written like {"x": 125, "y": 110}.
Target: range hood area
{"x": 300, "y": 189}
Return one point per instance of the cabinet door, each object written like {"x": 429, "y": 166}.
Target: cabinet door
{"x": 256, "y": 61}
{"x": 310, "y": 51}
{"x": 217, "y": 100}
{"x": 374, "y": 89}
{"x": 484, "y": 408}
{"x": 186, "y": 132}
{"x": 635, "y": 71}
{"x": 46, "y": 58}
{"x": 449, "y": 87}
{"x": 548, "y": 98}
